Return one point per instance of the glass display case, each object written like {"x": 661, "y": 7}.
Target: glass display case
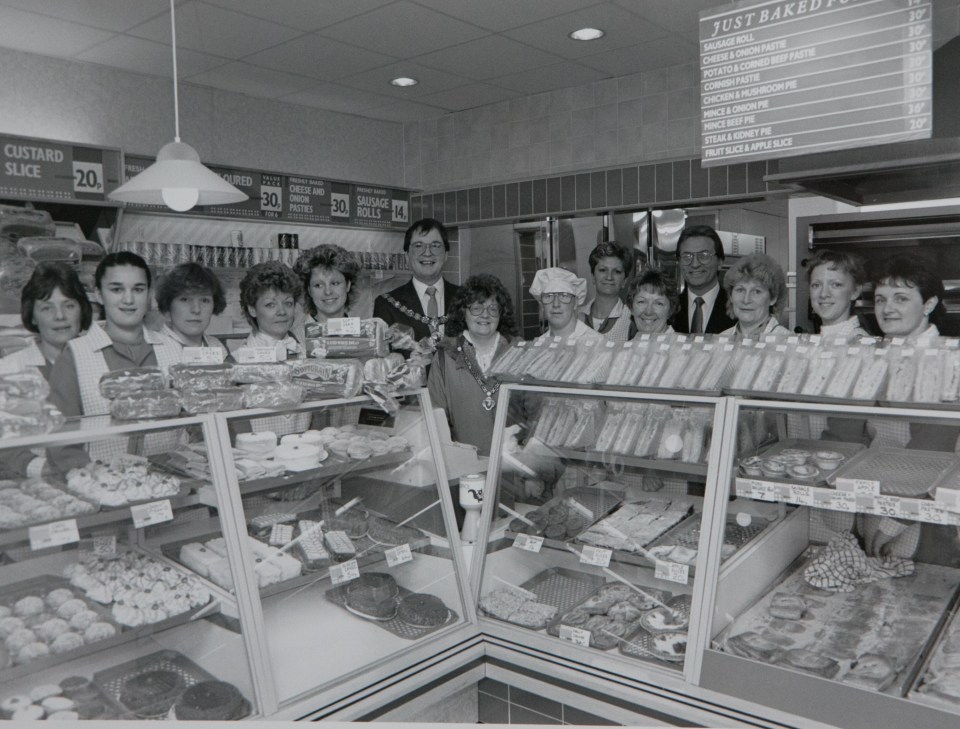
{"x": 844, "y": 612}
{"x": 596, "y": 526}
{"x": 96, "y": 622}
{"x": 347, "y": 559}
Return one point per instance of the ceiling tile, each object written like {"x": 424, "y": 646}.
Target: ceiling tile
{"x": 304, "y": 15}
{"x": 206, "y": 28}
{"x": 670, "y": 14}
{"x": 144, "y": 56}
{"x": 548, "y": 78}
{"x": 656, "y": 53}
{"x": 336, "y": 98}
{"x": 622, "y": 29}
{"x": 403, "y": 30}
{"x": 431, "y": 80}
{"x": 468, "y": 97}
{"x": 251, "y": 80}
{"x": 319, "y": 57}
{"x": 116, "y": 15}
{"x": 30, "y": 32}
{"x": 486, "y": 57}
{"x": 405, "y": 111}
{"x": 503, "y": 14}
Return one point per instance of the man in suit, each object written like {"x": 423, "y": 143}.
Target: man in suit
{"x": 421, "y": 303}
{"x": 703, "y": 302}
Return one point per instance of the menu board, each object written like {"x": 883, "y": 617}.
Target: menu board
{"x": 781, "y": 78}
{"x": 39, "y": 169}
{"x": 299, "y": 199}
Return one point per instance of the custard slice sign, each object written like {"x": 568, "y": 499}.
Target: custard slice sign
{"x": 781, "y": 78}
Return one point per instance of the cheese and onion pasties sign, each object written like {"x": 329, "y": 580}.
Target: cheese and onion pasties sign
{"x": 782, "y": 78}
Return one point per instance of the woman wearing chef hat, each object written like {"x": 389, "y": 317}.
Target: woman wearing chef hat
{"x": 561, "y": 294}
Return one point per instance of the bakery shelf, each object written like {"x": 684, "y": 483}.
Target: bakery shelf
{"x": 899, "y": 471}
{"x": 614, "y": 459}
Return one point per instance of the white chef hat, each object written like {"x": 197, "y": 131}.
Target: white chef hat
{"x": 559, "y": 281}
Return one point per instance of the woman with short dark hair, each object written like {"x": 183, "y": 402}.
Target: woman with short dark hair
{"x": 605, "y": 313}
{"x": 54, "y": 306}
{"x": 188, "y": 297}
{"x": 479, "y": 329}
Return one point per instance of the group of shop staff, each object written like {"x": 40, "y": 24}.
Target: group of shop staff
{"x": 460, "y": 330}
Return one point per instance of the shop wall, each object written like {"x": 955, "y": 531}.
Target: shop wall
{"x": 92, "y": 104}
{"x": 644, "y": 117}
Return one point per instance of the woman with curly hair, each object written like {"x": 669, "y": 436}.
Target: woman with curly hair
{"x": 328, "y": 273}
{"x": 479, "y": 328}
{"x": 268, "y": 296}
{"x": 756, "y": 292}
{"x": 188, "y": 297}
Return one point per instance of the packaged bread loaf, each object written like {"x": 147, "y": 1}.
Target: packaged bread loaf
{"x": 627, "y": 435}
{"x": 621, "y": 364}
{"x": 562, "y": 358}
{"x": 791, "y": 378}
{"x": 506, "y": 363}
{"x": 654, "y": 367}
{"x": 216, "y": 400}
{"x": 821, "y": 370}
{"x": 841, "y": 385}
{"x": 950, "y": 382}
{"x": 200, "y": 376}
{"x": 679, "y": 359}
{"x": 244, "y": 374}
{"x": 132, "y": 380}
{"x": 769, "y": 370}
{"x": 597, "y": 367}
{"x": 611, "y": 425}
{"x": 328, "y": 339}
{"x": 927, "y": 385}
{"x": 272, "y": 395}
{"x": 328, "y": 378}
{"x": 745, "y": 370}
{"x": 147, "y": 404}
{"x": 902, "y": 376}
{"x": 27, "y": 383}
{"x": 636, "y": 368}
{"x": 695, "y": 368}
{"x": 716, "y": 372}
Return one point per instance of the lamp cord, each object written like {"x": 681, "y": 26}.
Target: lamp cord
{"x": 176, "y": 100}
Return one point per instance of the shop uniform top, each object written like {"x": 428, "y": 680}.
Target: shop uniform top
{"x": 454, "y": 390}
{"x": 772, "y": 327}
{"x": 716, "y": 323}
{"x": 75, "y": 381}
{"x": 849, "y": 328}
{"x": 388, "y": 307}
{"x": 205, "y": 341}
{"x": 581, "y": 333}
{"x": 615, "y": 328}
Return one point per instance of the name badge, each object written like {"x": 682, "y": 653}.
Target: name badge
{"x": 202, "y": 355}
{"x": 254, "y": 355}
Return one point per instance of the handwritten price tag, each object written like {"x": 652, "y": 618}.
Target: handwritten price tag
{"x": 577, "y": 636}
{"x": 528, "y": 542}
{"x": 203, "y": 355}
{"x": 105, "y": 546}
{"x": 54, "y": 534}
{"x": 596, "y": 556}
{"x": 398, "y": 555}
{"x": 858, "y": 486}
{"x": 843, "y": 502}
{"x": 886, "y": 505}
{"x": 763, "y": 491}
{"x": 932, "y": 512}
{"x": 672, "y": 572}
{"x": 156, "y": 512}
{"x": 801, "y": 494}
{"x": 344, "y": 572}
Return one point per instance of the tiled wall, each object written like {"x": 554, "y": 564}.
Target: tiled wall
{"x": 499, "y": 703}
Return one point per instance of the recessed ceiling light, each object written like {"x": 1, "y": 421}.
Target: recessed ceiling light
{"x": 404, "y": 81}
{"x": 587, "y": 34}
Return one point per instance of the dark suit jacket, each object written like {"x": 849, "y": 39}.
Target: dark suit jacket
{"x": 407, "y": 295}
{"x": 719, "y": 319}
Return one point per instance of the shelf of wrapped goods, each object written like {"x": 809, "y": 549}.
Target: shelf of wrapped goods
{"x": 862, "y": 497}
{"x": 333, "y": 468}
{"x": 114, "y": 516}
{"x": 609, "y": 459}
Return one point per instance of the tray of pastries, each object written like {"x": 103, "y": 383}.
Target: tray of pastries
{"x": 798, "y": 460}
{"x": 538, "y": 600}
{"x": 566, "y": 516}
{"x": 74, "y": 698}
{"x": 636, "y": 524}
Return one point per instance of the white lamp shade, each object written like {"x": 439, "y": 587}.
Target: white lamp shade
{"x": 178, "y": 180}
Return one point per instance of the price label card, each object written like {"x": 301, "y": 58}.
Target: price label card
{"x": 763, "y": 491}
{"x": 554, "y": 345}
{"x": 948, "y": 498}
{"x": 528, "y": 542}
{"x": 87, "y": 177}
{"x": 345, "y": 326}
{"x": 858, "y": 486}
{"x": 155, "y": 512}
{"x": 253, "y": 355}
{"x": 339, "y": 205}
{"x": 932, "y": 512}
{"x": 577, "y": 636}
{"x": 672, "y": 572}
{"x": 344, "y": 572}
{"x": 664, "y": 347}
{"x": 203, "y": 355}
{"x": 596, "y": 556}
{"x": 801, "y": 494}
{"x": 271, "y": 198}
{"x": 793, "y": 339}
{"x": 105, "y": 546}
{"x": 592, "y": 343}
{"x": 398, "y": 555}
{"x": 686, "y": 347}
{"x": 698, "y": 339}
{"x": 400, "y": 212}
{"x": 886, "y": 505}
{"x": 781, "y": 347}
{"x": 54, "y": 534}
{"x": 608, "y": 345}
{"x": 843, "y": 502}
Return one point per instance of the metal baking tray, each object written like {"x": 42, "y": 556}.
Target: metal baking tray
{"x": 563, "y": 588}
{"x": 599, "y": 501}
{"x": 900, "y": 471}
{"x": 687, "y": 534}
{"x": 640, "y": 643}
{"x": 338, "y": 596}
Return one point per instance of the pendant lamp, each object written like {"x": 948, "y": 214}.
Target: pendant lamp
{"x": 177, "y": 179}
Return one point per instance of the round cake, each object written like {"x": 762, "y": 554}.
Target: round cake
{"x": 423, "y": 611}
{"x": 151, "y": 693}
{"x": 377, "y": 586}
{"x": 211, "y": 701}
